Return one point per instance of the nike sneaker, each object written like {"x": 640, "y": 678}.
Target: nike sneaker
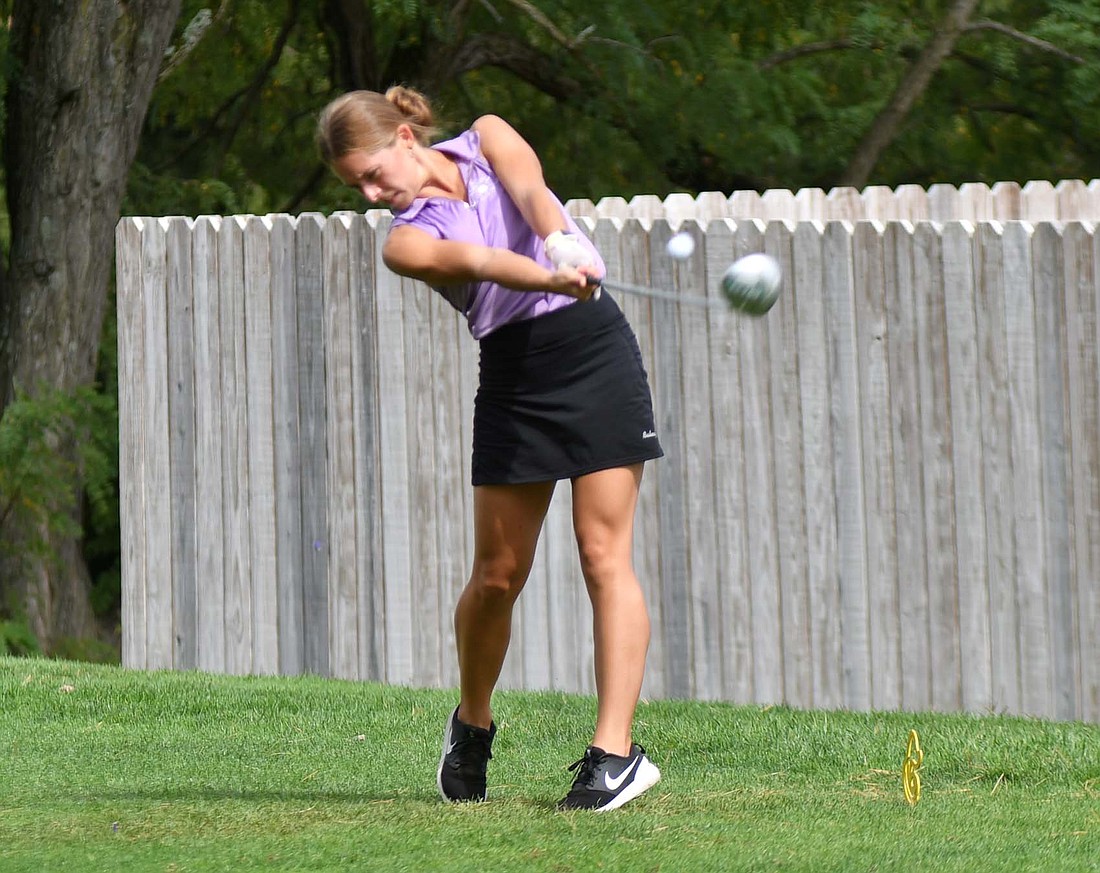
{"x": 605, "y": 781}
{"x": 466, "y": 753}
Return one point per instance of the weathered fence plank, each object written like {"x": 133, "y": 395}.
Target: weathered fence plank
{"x": 452, "y": 483}
{"x": 807, "y": 279}
{"x": 287, "y": 448}
{"x": 787, "y": 474}
{"x": 312, "y": 442}
{"x": 261, "y": 445}
{"x": 341, "y": 540}
{"x": 629, "y": 260}
{"x": 235, "y": 461}
{"x": 1089, "y": 594}
{"x": 996, "y": 449}
{"x": 131, "y": 457}
{"x": 1083, "y": 370}
{"x": 761, "y": 519}
{"x": 368, "y": 505}
{"x": 421, "y": 347}
{"x": 670, "y": 411}
{"x": 395, "y": 445}
{"x": 701, "y": 540}
{"x": 1048, "y": 265}
{"x": 1026, "y": 484}
{"x": 181, "y": 424}
{"x": 876, "y": 460}
{"x": 209, "y": 522}
{"x": 733, "y": 577}
{"x": 847, "y": 465}
{"x": 1006, "y": 201}
{"x": 915, "y": 668}
{"x": 156, "y": 461}
{"x": 969, "y": 497}
{"x": 939, "y": 483}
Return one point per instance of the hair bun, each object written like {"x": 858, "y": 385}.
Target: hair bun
{"x": 412, "y": 104}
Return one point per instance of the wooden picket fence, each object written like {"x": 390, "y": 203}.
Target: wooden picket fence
{"x": 1068, "y": 200}
{"x": 884, "y": 494}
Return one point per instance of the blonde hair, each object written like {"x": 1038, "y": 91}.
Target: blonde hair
{"x": 368, "y": 120}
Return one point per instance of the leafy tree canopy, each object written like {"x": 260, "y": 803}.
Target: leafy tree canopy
{"x": 622, "y": 98}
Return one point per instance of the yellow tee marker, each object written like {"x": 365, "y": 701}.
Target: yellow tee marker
{"x": 910, "y": 775}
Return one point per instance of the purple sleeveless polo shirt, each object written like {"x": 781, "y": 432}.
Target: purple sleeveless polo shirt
{"x": 487, "y": 217}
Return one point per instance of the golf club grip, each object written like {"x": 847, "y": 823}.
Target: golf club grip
{"x": 592, "y": 280}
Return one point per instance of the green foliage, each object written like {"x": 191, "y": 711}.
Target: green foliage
{"x": 664, "y": 96}
{"x": 90, "y": 650}
{"x": 17, "y": 639}
{"x": 48, "y": 444}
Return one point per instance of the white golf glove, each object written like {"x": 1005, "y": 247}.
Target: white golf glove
{"x": 565, "y": 250}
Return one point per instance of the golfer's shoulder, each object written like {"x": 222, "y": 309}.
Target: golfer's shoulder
{"x": 491, "y": 125}
{"x": 495, "y": 134}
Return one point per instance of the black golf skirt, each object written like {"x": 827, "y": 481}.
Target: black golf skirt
{"x": 560, "y": 396}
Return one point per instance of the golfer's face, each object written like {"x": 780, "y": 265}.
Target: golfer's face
{"x": 383, "y": 177}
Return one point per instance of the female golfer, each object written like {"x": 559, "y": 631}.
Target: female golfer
{"x": 562, "y": 395}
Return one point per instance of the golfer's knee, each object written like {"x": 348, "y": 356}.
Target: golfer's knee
{"x": 601, "y": 561}
{"x": 499, "y": 578}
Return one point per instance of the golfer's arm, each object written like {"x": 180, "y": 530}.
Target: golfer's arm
{"x": 518, "y": 168}
{"x": 414, "y": 253}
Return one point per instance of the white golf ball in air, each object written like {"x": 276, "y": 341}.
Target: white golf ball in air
{"x": 681, "y": 246}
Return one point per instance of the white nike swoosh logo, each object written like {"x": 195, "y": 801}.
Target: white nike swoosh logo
{"x": 450, "y": 748}
{"x": 613, "y": 784}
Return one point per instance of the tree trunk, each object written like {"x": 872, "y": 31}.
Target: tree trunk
{"x": 913, "y": 85}
{"x": 82, "y": 77}
{"x": 355, "y": 55}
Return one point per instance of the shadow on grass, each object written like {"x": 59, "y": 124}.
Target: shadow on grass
{"x": 213, "y": 794}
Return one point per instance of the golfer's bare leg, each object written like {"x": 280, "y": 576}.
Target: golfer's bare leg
{"x": 507, "y": 521}
{"x": 603, "y": 518}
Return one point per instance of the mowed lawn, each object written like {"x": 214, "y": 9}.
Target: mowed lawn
{"x": 104, "y": 769}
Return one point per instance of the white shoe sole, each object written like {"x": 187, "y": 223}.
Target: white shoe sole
{"x": 443, "y": 757}
{"x": 645, "y": 778}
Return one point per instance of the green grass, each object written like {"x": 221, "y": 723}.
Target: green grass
{"x": 103, "y": 769}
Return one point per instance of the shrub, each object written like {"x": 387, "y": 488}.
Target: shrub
{"x": 51, "y": 444}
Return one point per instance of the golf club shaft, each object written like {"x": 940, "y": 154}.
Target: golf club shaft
{"x": 654, "y": 294}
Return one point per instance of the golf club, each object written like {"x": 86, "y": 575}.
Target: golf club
{"x": 653, "y": 293}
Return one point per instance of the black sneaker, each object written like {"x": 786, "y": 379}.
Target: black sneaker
{"x": 606, "y": 781}
{"x": 466, "y": 753}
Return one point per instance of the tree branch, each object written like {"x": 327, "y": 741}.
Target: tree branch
{"x": 457, "y": 18}
{"x": 192, "y": 35}
{"x": 800, "y": 51}
{"x": 912, "y": 86}
{"x": 249, "y": 90}
{"x": 252, "y": 92}
{"x": 306, "y": 189}
{"x": 546, "y": 24}
{"x": 356, "y": 57}
{"x": 1025, "y": 38}
{"x": 517, "y": 57}
{"x": 571, "y": 45}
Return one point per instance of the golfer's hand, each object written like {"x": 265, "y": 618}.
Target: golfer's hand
{"x": 565, "y": 250}
{"x": 574, "y": 282}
